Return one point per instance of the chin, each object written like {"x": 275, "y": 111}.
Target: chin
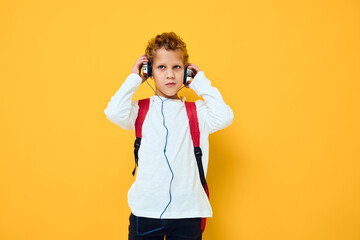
{"x": 171, "y": 95}
{"x": 168, "y": 93}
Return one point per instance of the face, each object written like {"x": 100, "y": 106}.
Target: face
{"x": 168, "y": 72}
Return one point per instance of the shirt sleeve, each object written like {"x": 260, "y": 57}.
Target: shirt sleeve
{"x": 214, "y": 113}
{"x": 121, "y": 109}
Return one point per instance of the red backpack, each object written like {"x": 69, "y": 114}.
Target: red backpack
{"x": 195, "y": 135}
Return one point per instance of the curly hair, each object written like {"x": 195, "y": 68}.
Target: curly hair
{"x": 170, "y": 41}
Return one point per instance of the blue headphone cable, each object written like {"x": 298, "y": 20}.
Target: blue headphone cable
{"x": 167, "y": 161}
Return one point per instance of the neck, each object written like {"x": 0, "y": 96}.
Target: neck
{"x": 176, "y": 96}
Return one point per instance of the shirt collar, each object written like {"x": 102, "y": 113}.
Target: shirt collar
{"x": 156, "y": 98}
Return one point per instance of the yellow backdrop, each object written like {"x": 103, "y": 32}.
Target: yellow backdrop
{"x": 286, "y": 169}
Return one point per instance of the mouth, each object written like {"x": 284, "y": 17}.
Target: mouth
{"x": 171, "y": 84}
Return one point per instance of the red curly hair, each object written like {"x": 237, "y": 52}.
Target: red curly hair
{"x": 168, "y": 40}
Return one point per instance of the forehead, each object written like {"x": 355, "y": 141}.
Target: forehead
{"x": 163, "y": 56}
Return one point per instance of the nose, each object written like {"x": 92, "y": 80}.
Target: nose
{"x": 170, "y": 73}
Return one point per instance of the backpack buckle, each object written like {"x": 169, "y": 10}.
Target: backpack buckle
{"x": 197, "y": 151}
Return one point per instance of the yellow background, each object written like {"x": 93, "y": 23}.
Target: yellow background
{"x": 286, "y": 169}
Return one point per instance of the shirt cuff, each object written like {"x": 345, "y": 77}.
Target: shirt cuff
{"x": 199, "y": 82}
{"x": 135, "y": 77}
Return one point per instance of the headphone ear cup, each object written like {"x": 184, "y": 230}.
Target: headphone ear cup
{"x": 149, "y": 69}
{"x": 185, "y": 75}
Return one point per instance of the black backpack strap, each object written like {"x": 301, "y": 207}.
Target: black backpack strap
{"x": 195, "y": 135}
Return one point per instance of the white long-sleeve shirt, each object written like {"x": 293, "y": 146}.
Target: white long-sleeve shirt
{"x": 149, "y": 194}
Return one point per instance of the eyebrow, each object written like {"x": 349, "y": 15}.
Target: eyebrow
{"x": 159, "y": 64}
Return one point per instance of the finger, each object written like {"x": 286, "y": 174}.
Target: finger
{"x": 142, "y": 58}
{"x": 142, "y": 61}
{"x": 191, "y": 67}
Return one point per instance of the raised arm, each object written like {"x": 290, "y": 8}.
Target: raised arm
{"x": 215, "y": 113}
{"x": 121, "y": 109}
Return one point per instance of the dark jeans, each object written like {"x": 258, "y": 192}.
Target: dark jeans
{"x": 173, "y": 229}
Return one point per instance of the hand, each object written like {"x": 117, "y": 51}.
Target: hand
{"x": 138, "y": 64}
{"x": 194, "y": 68}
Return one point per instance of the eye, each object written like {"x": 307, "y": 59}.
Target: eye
{"x": 161, "y": 66}
{"x": 177, "y": 66}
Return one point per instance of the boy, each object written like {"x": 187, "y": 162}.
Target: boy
{"x": 167, "y": 197}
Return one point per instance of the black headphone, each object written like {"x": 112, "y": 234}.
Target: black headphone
{"x": 188, "y": 73}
